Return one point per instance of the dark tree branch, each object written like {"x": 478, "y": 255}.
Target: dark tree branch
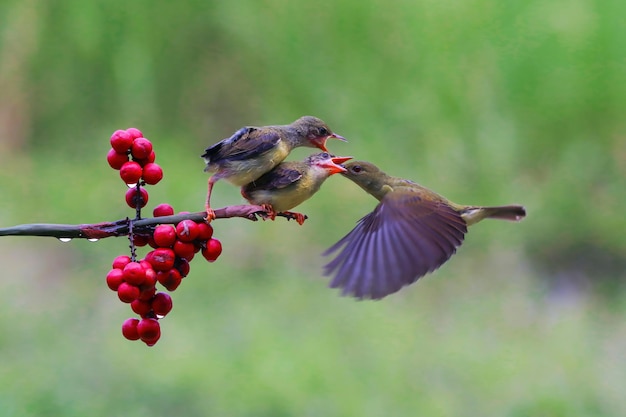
{"x": 140, "y": 226}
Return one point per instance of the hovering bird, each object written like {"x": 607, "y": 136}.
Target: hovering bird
{"x": 252, "y": 151}
{"x": 411, "y": 232}
{"x": 291, "y": 183}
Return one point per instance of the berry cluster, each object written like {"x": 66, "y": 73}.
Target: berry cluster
{"x": 136, "y": 281}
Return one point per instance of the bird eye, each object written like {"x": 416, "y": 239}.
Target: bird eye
{"x": 356, "y": 169}
{"x": 323, "y": 131}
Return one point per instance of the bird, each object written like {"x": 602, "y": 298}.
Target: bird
{"x": 252, "y": 151}
{"x": 291, "y": 183}
{"x": 411, "y": 232}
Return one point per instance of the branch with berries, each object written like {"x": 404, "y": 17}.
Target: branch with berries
{"x": 175, "y": 238}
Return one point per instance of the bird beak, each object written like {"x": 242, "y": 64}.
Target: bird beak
{"x": 321, "y": 142}
{"x": 336, "y": 136}
{"x": 332, "y": 164}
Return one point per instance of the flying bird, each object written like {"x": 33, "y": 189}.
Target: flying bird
{"x": 411, "y": 232}
{"x": 291, "y": 183}
{"x": 252, "y": 151}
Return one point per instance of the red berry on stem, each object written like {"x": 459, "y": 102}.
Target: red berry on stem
{"x": 140, "y": 240}
{"x": 170, "y": 279}
{"x": 134, "y": 199}
{"x": 134, "y": 132}
{"x": 152, "y": 173}
{"x": 127, "y": 293}
{"x": 213, "y": 250}
{"x": 161, "y": 259}
{"x": 121, "y": 141}
{"x": 187, "y": 230}
{"x": 162, "y": 304}
{"x": 164, "y": 235}
{"x": 185, "y": 250}
{"x": 148, "y": 291}
{"x": 141, "y": 148}
{"x": 115, "y": 159}
{"x": 129, "y": 329}
{"x": 205, "y": 231}
{"x": 131, "y": 172}
{"x": 121, "y": 261}
{"x": 114, "y": 278}
{"x": 141, "y": 307}
{"x": 163, "y": 209}
{"x": 134, "y": 273}
{"x": 182, "y": 265}
{"x": 149, "y": 330}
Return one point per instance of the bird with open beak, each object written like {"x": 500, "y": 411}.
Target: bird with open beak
{"x": 411, "y": 232}
{"x": 252, "y": 151}
{"x": 291, "y": 183}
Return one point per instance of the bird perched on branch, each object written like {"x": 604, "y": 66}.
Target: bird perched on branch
{"x": 291, "y": 183}
{"x": 252, "y": 151}
{"x": 411, "y": 232}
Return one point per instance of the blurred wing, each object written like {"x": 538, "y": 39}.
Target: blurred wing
{"x": 404, "y": 238}
{"x": 280, "y": 177}
{"x": 246, "y": 143}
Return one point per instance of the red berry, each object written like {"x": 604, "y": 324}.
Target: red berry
{"x": 152, "y": 173}
{"x": 213, "y": 250}
{"x": 182, "y": 265}
{"x": 121, "y": 141}
{"x": 115, "y": 159}
{"x": 185, "y": 250}
{"x": 163, "y": 209}
{"x": 141, "y": 148}
{"x": 129, "y": 329}
{"x": 148, "y": 291}
{"x": 141, "y": 307}
{"x": 164, "y": 236}
{"x": 134, "y": 199}
{"x": 121, "y": 261}
{"x": 144, "y": 161}
{"x": 134, "y": 273}
{"x": 162, "y": 304}
{"x": 170, "y": 279}
{"x": 187, "y": 230}
{"x": 114, "y": 278}
{"x": 134, "y": 132}
{"x": 205, "y": 231}
{"x": 127, "y": 293}
{"x": 161, "y": 259}
{"x": 131, "y": 172}
{"x": 140, "y": 240}
{"x": 149, "y": 330}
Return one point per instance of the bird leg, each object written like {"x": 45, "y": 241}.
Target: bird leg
{"x": 269, "y": 211}
{"x": 210, "y": 214}
{"x": 299, "y": 217}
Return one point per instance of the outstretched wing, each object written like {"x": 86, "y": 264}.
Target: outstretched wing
{"x": 246, "y": 143}
{"x": 404, "y": 238}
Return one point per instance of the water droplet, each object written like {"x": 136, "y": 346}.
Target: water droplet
{"x": 93, "y": 240}
{"x": 159, "y": 317}
{"x": 131, "y": 185}
{"x": 65, "y": 239}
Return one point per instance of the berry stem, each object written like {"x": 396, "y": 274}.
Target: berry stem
{"x": 121, "y": 227}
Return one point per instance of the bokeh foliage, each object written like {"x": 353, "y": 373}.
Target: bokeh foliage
{"x": 486, "y": 102}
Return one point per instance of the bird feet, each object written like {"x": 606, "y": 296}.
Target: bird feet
{"x": 289, "y": 215}
{"x": 210, "y": 214}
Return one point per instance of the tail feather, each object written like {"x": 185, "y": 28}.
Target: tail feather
{"x": 473, "y": 215}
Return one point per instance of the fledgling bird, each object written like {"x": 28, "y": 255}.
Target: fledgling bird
{"x": 291, "y": 183}
{"x": 411, "y": 232}
{"x": 252, "y": 151}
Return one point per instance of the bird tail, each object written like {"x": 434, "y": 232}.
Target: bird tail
{"x": 473, "y": 215}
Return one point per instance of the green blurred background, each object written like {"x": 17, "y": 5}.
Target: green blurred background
{"x": 487, "y": 102}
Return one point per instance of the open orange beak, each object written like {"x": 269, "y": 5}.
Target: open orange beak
{"x": 321, "y": 142}
{"x": 333, "y": 164}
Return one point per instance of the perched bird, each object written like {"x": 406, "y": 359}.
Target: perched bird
{"x": 291, "y": 183}
{"x": 252, "y": 151}
{"x": 411, "y": 232}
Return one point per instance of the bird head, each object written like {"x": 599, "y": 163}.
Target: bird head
{"x": 315, "y": 131}
{"x": 368, "y": 176}
{"x": 328, "y": 162}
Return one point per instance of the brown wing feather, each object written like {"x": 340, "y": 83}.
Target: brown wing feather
{"x": 246, "y": 143}
{"x": 404, "y": 238}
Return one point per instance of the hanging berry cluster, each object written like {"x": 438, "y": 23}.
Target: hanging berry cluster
{"x": 136, "y": 281}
